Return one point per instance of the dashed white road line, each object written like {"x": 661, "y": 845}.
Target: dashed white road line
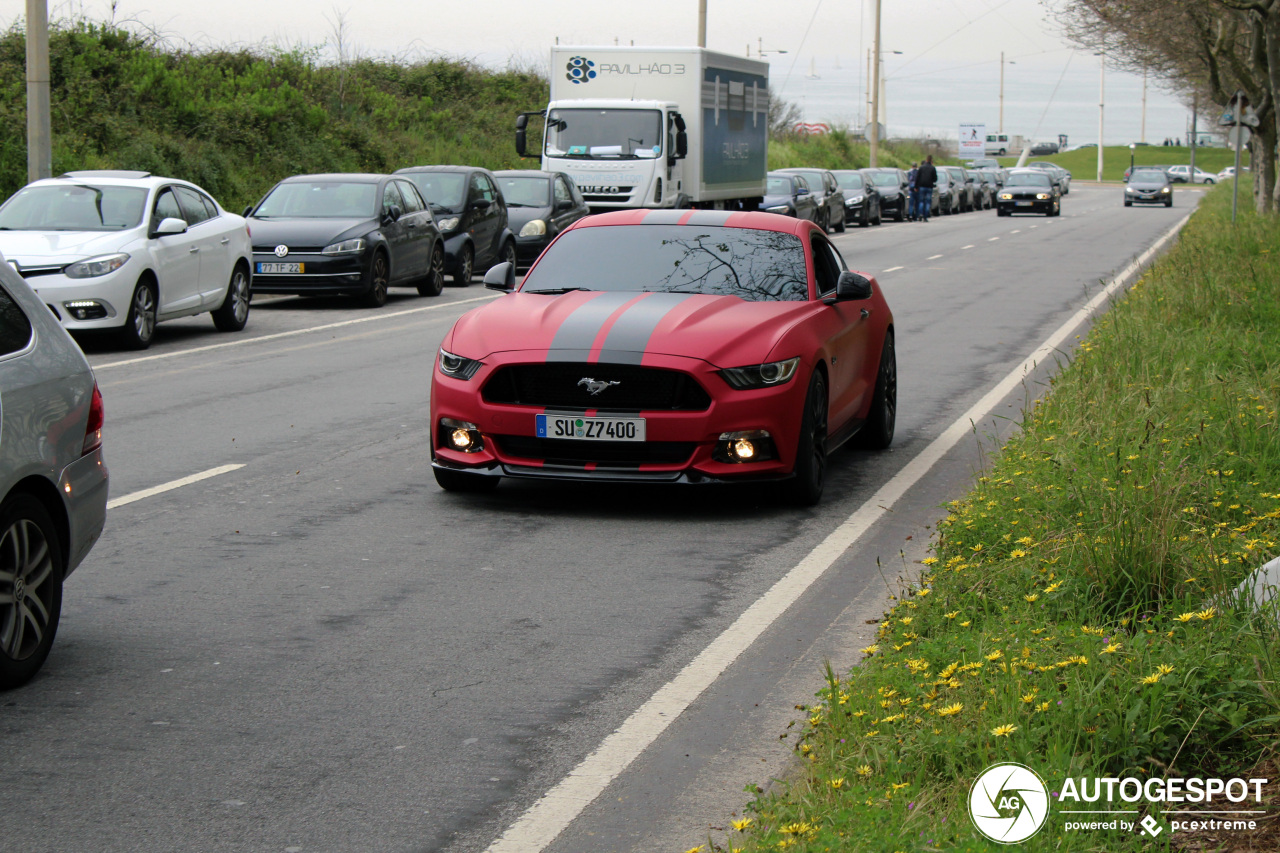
{"x": 171, "y": 485}
{"x": 933, "y": 257}
{"x": 970, "y": 246}
{"x": 992, "y": 239}
{"x": 893, "y": 269}
{"x": 550, "y": 815}
{"x": 1016, "y": 231}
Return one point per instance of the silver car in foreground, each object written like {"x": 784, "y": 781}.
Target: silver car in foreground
{"x": 53, "y": 481}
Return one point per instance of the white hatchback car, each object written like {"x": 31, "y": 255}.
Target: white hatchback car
{"x": 124, "y": 250}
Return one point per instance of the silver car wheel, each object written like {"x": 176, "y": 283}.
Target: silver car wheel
{"x": 144, "y": 313}
{"x": 26, "y": 589}
{"x": 240, "y": 296}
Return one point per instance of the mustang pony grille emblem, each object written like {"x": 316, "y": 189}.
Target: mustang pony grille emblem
{"x": 595, "y": 386}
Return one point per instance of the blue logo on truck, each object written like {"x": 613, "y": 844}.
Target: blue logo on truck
{"x": 581, "y": 70}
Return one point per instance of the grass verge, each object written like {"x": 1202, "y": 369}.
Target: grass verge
{"x": 1076, "y": 616}
{"x": 1082, "y": 163}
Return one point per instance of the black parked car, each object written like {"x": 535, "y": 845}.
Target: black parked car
{"x": 472, "y": 216}
{"x": 1029, "y": 191}
{"x": 539, "y": 206}
{"x": 861, "y": 202}
{"x": 946, "y": 195}
{"x": 891, "y": 185}
{"x": 964, "y": 189}
{"x": 347, "y": 234}
{"x": 828, "y": 194}
{"x": 983, "y": 189}
{"x": 789, "y": 195}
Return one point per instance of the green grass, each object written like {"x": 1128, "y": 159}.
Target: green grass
{"x": 841, "y": 150}
{"x": 1079, "y": 596}
{"x": 1082, "y": 163}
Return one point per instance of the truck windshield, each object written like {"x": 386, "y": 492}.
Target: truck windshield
{"x": 604, "y": 134}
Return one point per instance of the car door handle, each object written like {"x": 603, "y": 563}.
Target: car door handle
{"x": 865, "y": 313}
{"x": 411, "y": 224}
{"x": 193, "y": 250}
{"x": 225, "y": 240}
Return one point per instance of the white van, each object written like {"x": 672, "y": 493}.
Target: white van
{"x": 998, "y": 144}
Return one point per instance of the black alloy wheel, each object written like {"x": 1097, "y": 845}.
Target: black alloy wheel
{"x": 902, "y": 212}
{"x": 461, "y": 481}
{"x": 507, "y": 255}
{"x": 462, "y": 272}
{"x": 140, "y": 324}
{"x": 31, "y": 571}
{"x": 866, "y": 216}
{"x": 433, "y": 284}
{"x": 821, "y": 221}
{"x": 233, "y": 313}
{"x": 840, "y": 221}
{"x": 877, "y": 432}
{"x": 805, "y": 488}
{"x": 375, "y": 293}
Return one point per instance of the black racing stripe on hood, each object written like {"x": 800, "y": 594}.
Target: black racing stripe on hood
{"x": 626, "y": 341}
{"x": 578, "y": 331}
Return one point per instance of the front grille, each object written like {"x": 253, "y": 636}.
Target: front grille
{"x": 558, "y": 385}
{"x": 606, "y": 453}
{"x": 293, "y": 250}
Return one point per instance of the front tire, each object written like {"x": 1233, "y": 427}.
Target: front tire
{"x": 375, "y": 294}
{"x": 433, "y": 284}
{"x": 840, "y": 226}
{"x": 507, "y": 255}
{"x": 805, "y": 488}
{"x": 877, "y": 432}
{"x": 462, "y": 272}
{"x": 140, "y": 323}
{"x": 461, "y": 481}
{"x": 233, "y": 313}
{"x": 31, "y": 571}
{"x": 901, "y": 213}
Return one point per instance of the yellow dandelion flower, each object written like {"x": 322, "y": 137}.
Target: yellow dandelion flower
{"x": 905, "y": 620}
{"x": 929, "y": 561}
{"x": 923, "y": 592}
{"x": 741, "y": 825}
{"x": 1026, "y": 540}
{"x": 951, "y": 710}
{"x": 859, "y": 713}
{"x": 1017, "y": 552}
{"x": 1005, "y": 730}
{"x": 1042, "y": 707}
{"x": 1208, "y": 614}
{"x": 1029, "y": 697}
{"x": 697, "y": 849}
{"x": 953, "y": 614}
{"x": 976, "y": 548}
{"x": 1053, "y": 587}
{"x": 837, "y": 784}
{"x": 995, "y": 656}
{"x": 1186, "y": 617}
{"x": 1164, "y": 669}
{"x": 872, "y": 733}
{"x": 1031, "y": 599}
{"x": 1151, "y": 679}
{"x": 1111, "y": 649}
{"x": 871, "y": 649}
{"x": 966, "y": 624}
{"x": 864, "y": 770}
{"x": 898, "y": 786}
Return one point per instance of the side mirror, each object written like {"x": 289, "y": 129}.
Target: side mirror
{"x": 851, "y": 286}
{"x": 521, "y": 142}
{"x": 501, "y": 277}
{"x": 479, "y": 204}
{"x": 682, "y": 145}
{"x": 393, "y": 213}
{"x": 247, "y": 211}
{"x": 803, "y": 191}
{"x": 170, "y": 225}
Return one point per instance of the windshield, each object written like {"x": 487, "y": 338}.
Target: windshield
{"x": 442, "y": 190}
{"x": 604, "y": 134}
{"x": 1026, "y": 180}
{"x": 758, "y": 266}
{"x": 885, "y": 179}
{"x": 526, "y": 192}
{"x": 850, "y": 182}
{"x": 320, "y": 200}
{"x": 778, "y": 186}
{"x": 73, "y": 207}
{"x": 1149, "y": 175}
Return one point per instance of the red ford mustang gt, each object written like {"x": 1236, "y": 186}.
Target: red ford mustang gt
{"x": 668, "y": 346}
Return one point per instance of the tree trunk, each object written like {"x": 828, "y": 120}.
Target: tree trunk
{"x": 1268, "y": 201}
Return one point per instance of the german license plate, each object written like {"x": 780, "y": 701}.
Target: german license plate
{"x": 277, "y": 269}
{"x": 1024, "y": 203}
{"x": 583, "y": 428}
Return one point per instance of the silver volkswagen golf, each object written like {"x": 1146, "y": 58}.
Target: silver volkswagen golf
{"x": 52, "y": 476}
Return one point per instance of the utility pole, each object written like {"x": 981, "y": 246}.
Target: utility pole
{"x": 1142, "y": 137}
{"x": 1102, "y": 91}
{"x": 702, "y": 23}
{"x": 875, "y": 93}
{"x": 39, "y": 134}
{"x": 1001, "y": 130}
{"x": 1195, "y": 109}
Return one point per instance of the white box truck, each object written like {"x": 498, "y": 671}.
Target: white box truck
{"x": 656, "y": 127}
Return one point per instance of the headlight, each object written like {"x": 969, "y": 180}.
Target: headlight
{"x": 1130, "y": 190}
{"x": 534, "y": 228}
{"x": 448, "y": 224}
{"x": 459, "y": 367}
{"x": 761, "y": 375}
{"x": 780, "y": 208}
{"x": 1165, "y": 189}
{"x": 94, "y": 267}
{"x": 1042, "y": 196}
{"x": 855, "y": 199}
{"x": 1006, "y": 196}
{"x": 346, "y": 247}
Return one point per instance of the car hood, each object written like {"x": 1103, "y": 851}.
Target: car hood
{"x": 518, "y": 217}
{"x": 775, "y": 201}
{"x": 308, "y": 232}
{"x": 622, "y": 326}
{"x": 1147, "y": 186}
{"x": 30, "y": 248}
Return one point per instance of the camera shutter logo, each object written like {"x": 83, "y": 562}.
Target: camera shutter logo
{"x": 1009, "y": 803}
{"x": 580, "y": 70}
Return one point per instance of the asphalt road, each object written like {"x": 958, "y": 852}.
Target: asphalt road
{"x": 322, "y": 651}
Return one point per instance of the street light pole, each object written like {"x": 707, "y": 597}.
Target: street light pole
{"x": 39, "y": 134}
{"x": 702, "y": 23}
{"x": 875, "y": 93}
{"x": 1102, "y": 81}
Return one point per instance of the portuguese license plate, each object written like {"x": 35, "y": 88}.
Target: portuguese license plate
{"x": 583, "y": 428}
{"x": 277, "y": 269}
{"x": 1024, "y": 203}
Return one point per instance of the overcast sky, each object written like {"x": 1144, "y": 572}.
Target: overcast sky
{"x": 935, "y": 37}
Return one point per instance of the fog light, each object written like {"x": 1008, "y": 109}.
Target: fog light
{"x": 743, "y": 449}
{"x": 755, "y": 445}
{"x": 462, "y": 436}
{"x": 86, "y": 309}
{"x": 461, "y": 439}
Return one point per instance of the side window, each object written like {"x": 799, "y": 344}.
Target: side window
{"x": 391, "y": 196}
{"x": 561, "y": 191}
{"x": 577, "y": 196}
{"x": 209, "y": 207}
{"x": 412, "y": 201}
{"x": 15, "y": 328}
{"x": 826, "y": 268}
{"x": 487, "y": 191}
{"x": 167, "y": 207}
{"x": 192, "y": 206}
{"x": 801, "y": 183}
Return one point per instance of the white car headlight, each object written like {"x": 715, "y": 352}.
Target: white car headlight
{"x": 346, "y": 247}
{"x": 457, "y": 366}
{"x": 534, "y": 228}
{"x": 761, "y": 375}
{"x": 94, "y": 267}
{"x": 1130, "y": 190}
{"x": 1165, "y": 190}
{"x": 449, "y": 224}
{"x": 855, "y": 199}
{"x": 1006, "y": 196}
{"x": 781, "y": 208}
{"x": 1042, "y": 196}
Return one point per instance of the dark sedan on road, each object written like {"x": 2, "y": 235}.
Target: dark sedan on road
{"x": 472, "y": 216}
{"x": 345, "y": 234}
{"x": 827, "y": 192}
{"x": 1029, "y": 191}
{"x": 861, "y": 202}
{"x": 891, "y": 185}
{"x": 946, "y": 196}
{"x": 1149, "y": 186}
{"x": 539, "y": 206}
{"x": 789, "y": 195}
{"x": 962, "y": 187}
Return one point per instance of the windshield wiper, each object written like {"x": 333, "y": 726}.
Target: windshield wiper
{"x": 559, "y": 290}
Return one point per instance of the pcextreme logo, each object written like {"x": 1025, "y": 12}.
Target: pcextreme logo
{"x": 1009, "y": 803}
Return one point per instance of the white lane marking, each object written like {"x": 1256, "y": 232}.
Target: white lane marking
{"x": 172, "y": 484}
{"x": 549, "y": 816}
{"x": 1016, "y": 231}
{"x": 933, "y": 257}
{"x": 970, "y": 246}
{"x": 278, "y": 335}
{"x": 893, "y": 269}
{"x": 992, "y": 239}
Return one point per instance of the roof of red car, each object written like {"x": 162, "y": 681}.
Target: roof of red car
{"x": 696, "y": 218}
